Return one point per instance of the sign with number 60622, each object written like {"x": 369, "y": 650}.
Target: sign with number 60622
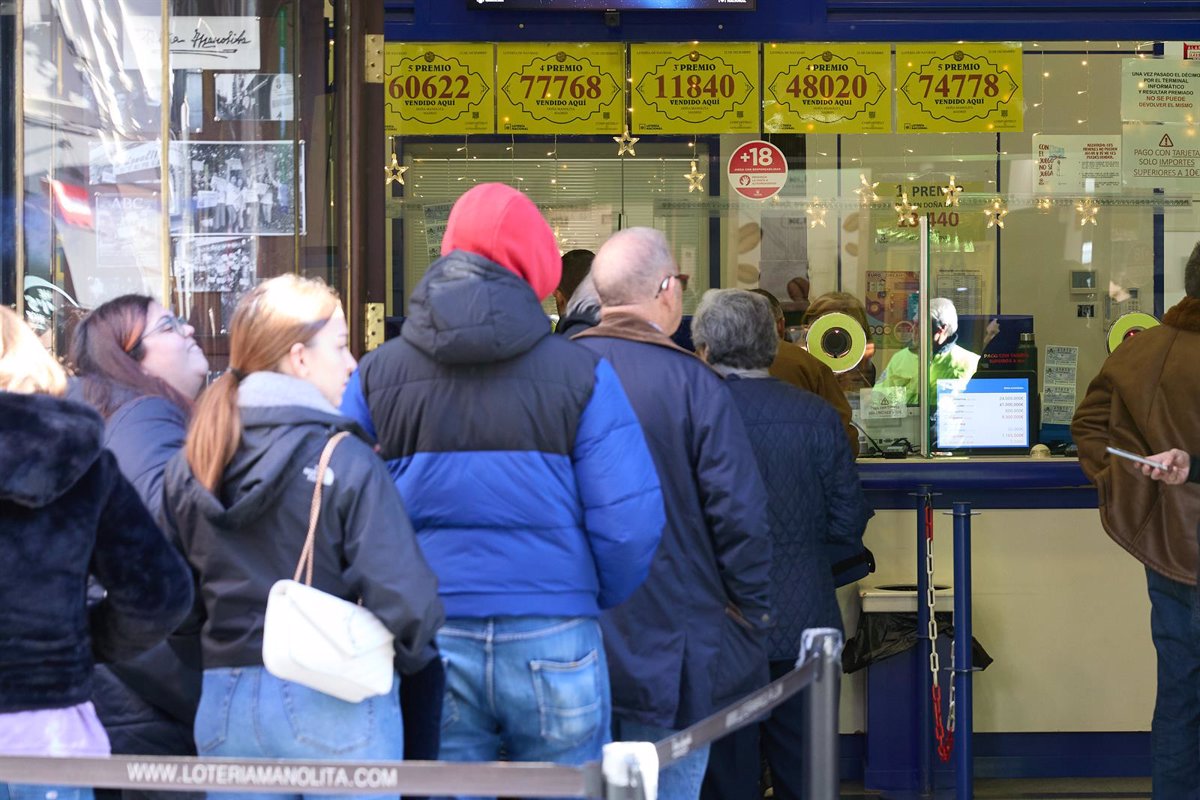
{"x": 438, "y": 89}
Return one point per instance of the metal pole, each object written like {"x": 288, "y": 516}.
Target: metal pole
{"x": 924, "y": 648}
{"x": 964, "y": 767}
{"x": 824, "y": 645}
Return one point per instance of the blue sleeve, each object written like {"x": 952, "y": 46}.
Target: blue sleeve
{"x": 354, "y": 405}
{"x": 735, "y": 504}
{"x": 144, "y": 435}
{"x": 847, "y": 504}
{"x": 618, "y": 488}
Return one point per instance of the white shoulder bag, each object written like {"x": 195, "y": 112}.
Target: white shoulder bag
{"x": 321, "y": 641}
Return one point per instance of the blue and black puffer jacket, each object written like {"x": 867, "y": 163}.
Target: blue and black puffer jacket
{"x": 517, "y": 454}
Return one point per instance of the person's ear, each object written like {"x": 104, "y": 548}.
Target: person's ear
{"x": 295, "y": 363}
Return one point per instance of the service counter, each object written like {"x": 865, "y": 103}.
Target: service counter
{"x": 1061, "y": 608}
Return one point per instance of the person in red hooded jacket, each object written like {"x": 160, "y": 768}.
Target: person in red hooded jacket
{"x": 528, "y": 480}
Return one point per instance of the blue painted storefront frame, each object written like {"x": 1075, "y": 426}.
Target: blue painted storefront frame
{"x": 808, "y": 20}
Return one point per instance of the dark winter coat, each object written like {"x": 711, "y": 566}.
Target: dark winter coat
{"x": 814, "y": 500}
{"x": 65, "y": 512}
{"x": 249, "y": 534}
{"x": 148, "y": 703}
{"x": 516, "y": 451}
{"x": 692, "y": 637}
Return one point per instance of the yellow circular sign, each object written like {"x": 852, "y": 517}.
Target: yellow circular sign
{"x": 838, "y": 340}
{"x": 1128, "y": 325}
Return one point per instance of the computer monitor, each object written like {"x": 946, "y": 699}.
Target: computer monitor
{"x": 991, "y": 413}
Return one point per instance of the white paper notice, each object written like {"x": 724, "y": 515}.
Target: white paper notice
{"x": 224, "y": 43}
{"x": 1068, "y": 164}
{"x": 1160, "y": 90}
{"x": 1161, "y": 157}
{"x": 1059, "y": 369}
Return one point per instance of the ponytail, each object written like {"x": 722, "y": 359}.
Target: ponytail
{"x": 215, "y": 432}
{"x": 269, "y": 319}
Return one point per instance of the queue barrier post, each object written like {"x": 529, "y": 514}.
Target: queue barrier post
{"x": 823, "y": 647}
{"x": 630, "y": 771}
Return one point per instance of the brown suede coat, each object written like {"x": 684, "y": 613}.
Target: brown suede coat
{"x": 795, "y": 365}
{"x": 1145, "y": 399}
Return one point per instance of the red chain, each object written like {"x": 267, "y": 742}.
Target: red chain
{"x": 945, "y": 739}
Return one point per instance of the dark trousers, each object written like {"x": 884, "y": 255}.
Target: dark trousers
{"x": 734, "y": 762}
{"x": 421, "y": 708}
{"x": 1175, "y": 730}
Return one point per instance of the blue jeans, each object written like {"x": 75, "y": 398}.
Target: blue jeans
{"x": 1175, "y": 731}
{"x": 532, "y": 688}
{"x": 246, "y": 712}
{"x": 681, "y": 780}
{"x": 21, "y": 791}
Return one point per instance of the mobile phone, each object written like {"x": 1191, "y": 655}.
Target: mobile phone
{"x": 1116, "y": 451}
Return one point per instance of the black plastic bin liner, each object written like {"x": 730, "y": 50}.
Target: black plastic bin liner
{"x": 884, "y": 634}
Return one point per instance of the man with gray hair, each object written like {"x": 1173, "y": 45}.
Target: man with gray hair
{"x": 816, "y": 504}
{"x": 948, "y": 360}
{"x": 691, "y": 638}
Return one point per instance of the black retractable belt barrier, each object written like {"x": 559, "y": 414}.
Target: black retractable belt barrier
{"x": 818, "y": 669}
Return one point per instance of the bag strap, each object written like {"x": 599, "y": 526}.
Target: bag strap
{"x": 305, "y": 564}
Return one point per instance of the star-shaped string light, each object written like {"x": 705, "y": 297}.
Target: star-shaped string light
{"x": 695, "y": 179}
{"x": 395, "y": 171}
{"x": 995, "y": 212}
{"x": 907, "y": 211}
{"x": 1088, "y": 209}
{"x": 952, "y": 190}
{"x": 816, "y": 211}
{"x": 625, "y": 143}
{"x": 1043, "y": 203}
{"x": 866, "y": 192}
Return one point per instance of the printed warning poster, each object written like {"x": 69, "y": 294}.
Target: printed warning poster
{"x": 1160, "y": 90}
{"x": 1161, "y": 157}
{"x": 1074, "y": 164}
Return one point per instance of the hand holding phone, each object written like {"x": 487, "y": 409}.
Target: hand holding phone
{"x": 1116, "y": 451}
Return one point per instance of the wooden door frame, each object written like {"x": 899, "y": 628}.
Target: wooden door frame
{"x": 360, "y": 190}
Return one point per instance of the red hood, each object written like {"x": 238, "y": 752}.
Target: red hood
{"x": 504, "y": 226}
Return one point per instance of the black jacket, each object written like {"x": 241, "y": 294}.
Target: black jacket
{"x": 65, "y": 512}
{"x": 249, "y": 535}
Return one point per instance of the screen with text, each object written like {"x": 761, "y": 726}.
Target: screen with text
{"x": 983, "y": 413}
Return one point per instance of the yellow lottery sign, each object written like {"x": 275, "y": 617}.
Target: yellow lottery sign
{"x": 690, "y": 89}
{"x": 837, "y": 88}
{"x": 560, "y": 88}
{"x": 438, "y": 89}
{"x": 959, "y": 88}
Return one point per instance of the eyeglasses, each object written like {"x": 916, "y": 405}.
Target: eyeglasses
{"x": 681, "y": 277}
{"x": 170, "y": 322}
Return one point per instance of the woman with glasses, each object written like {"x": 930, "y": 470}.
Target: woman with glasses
{"x": 140, "y": 367}
{"x": 66, "y": 513}
{"x": 239, "y": 502}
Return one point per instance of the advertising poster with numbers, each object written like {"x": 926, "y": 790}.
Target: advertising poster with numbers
{"x": 438, "y": 89}
{"x": 827, "y": 88}
{"x": 560, "y": 88}
{"x": 959, "y": 88}
{"x": 694, "y": 88}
